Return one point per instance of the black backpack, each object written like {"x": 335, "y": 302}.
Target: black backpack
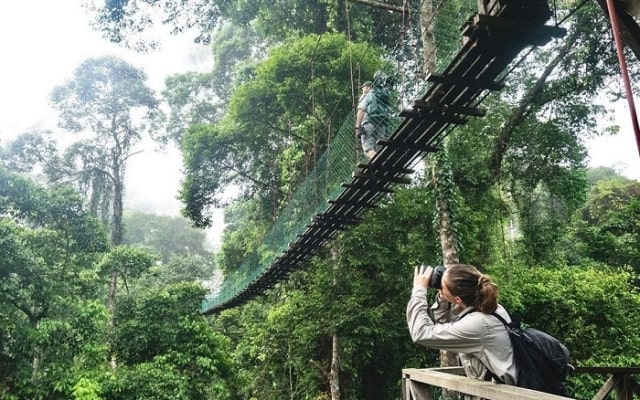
{"x": 541, "y": 359}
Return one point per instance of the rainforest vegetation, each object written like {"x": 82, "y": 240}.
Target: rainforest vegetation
{"x": 101, "y": 302}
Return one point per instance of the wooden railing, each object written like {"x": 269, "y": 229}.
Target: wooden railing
{"x": 620, "y": 381}
{"x": 417, "y": 384}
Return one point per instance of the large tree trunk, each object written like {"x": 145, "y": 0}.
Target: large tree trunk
{"x": 334, "y": 378}
{"x": 116, "y": 230}
{"x": 442, "y": 182}
{"x": 116, "y": 238}
{"x": 428, "y": 39}
{"x": 439, "y": 177}
{"x": 334, "y": 372}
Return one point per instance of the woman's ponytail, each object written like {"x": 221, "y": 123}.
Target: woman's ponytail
{"x": 473, "y": 287}
{"x": 487, "y": 295}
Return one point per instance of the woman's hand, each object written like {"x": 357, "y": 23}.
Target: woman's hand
{"x": 422, "y": 276}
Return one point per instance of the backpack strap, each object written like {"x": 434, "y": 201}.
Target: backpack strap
{"x": 489, "y": 375}
{"x": 502, "y": 320}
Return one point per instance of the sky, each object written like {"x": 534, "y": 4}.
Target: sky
{"x": 43, "y": 41}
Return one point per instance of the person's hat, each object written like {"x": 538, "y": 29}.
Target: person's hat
{"x": 367, "y": 84}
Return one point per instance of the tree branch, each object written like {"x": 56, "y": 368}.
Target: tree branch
{"x": 524, "y": 107}
{"x": 384, "y": 6}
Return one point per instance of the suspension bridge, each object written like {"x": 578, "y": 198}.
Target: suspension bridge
{"x": 341, "y": 192}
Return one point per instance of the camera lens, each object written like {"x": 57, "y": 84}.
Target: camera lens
{"x": 436, "y": 277}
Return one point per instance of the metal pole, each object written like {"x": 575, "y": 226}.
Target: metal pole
{"x": 623, "y": 71}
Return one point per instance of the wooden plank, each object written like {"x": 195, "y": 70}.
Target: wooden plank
{"x": 449, "y": 108}
{"x": 337, "y": 219}
{"x": 476, "y": 84}
{"x": 607, "y": 370}
{"x": 430, "y": 116}
{"x": 341, "y": 202}
{"x": 475, "y": 387}
{"x": 608, "y": 386}
{"x": 408, "y": 146}
{"x": 385, "y": 168}
{"x": 388, "y": 179}
{"x": 367, "y": 186}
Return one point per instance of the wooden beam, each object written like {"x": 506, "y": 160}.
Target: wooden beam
{"x": 608, "y": 386}
{"x": 367, "y": 186}
{"x": 488, "y": 390}
{"x": 449, "y": 108}
{"x": 465, "y": 81}
{"x": 386, "y": 168}
{"x": 408, "y": 146}
{"x": 388, "y": 179}
{"x": 352, "y": 203}
{"x": 431, "y": 116}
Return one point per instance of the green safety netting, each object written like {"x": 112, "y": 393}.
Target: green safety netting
{"x": 337, "y": 164}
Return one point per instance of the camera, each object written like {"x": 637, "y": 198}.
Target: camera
{"x": 436, "y": 277}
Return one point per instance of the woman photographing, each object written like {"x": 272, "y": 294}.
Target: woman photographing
{"x": 460, "y": 320}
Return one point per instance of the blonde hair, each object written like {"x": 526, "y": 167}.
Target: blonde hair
{"x": 473, "y": 287}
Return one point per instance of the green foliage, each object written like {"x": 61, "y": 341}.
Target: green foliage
{"x": 243, "y": 234}
{"x": 192, "y": 99}
{"x": 53, "y": 325}
{"x": 287, "y": 112}
{"x": 86, "y": 389}
{"x": 170, "y": 236}
{"x": 109, "y": 98}
{"x": 101, "y": 89}
{"x": 592, "y": 309}
{"x": 283, "y": 342}
{"x": 123, "y": 21}
{"x": 609, "y": 230}
{"x": 126, "y": 261}
{"x": 185, "y": 357}
{"x": 29, "y": 150}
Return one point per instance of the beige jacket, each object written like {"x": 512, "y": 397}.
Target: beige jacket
{"x": 480, "y": 339}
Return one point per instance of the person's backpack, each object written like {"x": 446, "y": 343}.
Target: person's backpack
{"x": 380, "y": 106}
{"x": 542, "y": 360}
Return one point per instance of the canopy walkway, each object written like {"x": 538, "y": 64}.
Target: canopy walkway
{"x": 490, "y": 42}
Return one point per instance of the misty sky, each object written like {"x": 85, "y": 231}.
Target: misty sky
{"x": 42, "y": 43}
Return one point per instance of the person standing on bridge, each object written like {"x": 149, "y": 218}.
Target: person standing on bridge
{"x": 480, "y": 339}
{"x": 371, "y": 115}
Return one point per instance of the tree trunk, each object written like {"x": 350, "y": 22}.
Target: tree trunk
{"x": 440, "y": 177}
{"x": 428, "y": 39}
{"x": 116, "y": 239}
{"x": 442, "y": 183}
{"x": 334, "y": 378}
{"x": 35, "y": 364}
{"x": 334, "y": 372}
{"x": 116, "y": 231}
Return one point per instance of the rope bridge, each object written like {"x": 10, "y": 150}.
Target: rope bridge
{"x": 336, "y": 193}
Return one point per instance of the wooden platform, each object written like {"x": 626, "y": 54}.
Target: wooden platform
{"x": 417, "y": 384}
